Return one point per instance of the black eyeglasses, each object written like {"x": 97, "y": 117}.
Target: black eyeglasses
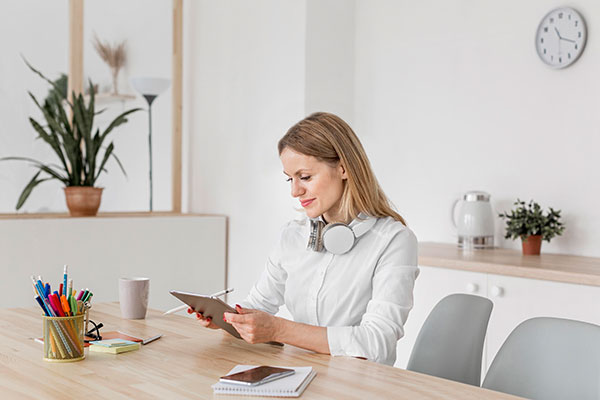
{"x": 94, "y": 333}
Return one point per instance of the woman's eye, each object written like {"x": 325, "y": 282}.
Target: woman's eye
{"x": 305, "y": 178}
{"x": 288, "y": 180}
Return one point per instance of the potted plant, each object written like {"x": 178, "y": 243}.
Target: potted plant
{"x": 528, "y": 222}
{"x": 80, "y": 151}
{"x": 77, "y": 144}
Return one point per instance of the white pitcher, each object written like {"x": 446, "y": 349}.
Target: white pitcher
{"x": 473, "y": 218}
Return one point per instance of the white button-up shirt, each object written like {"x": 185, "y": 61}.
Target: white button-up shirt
{"x": 363, "y": 297}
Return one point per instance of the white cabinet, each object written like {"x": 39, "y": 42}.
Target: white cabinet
{"x": 431, "y": 286}
{"x": 515, "y": 300}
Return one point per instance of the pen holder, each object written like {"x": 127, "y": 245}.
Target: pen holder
{"x": 63, "y": 338}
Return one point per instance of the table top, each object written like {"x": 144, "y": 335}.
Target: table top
{"x": 187, "y": 360}
{"x": 551, "y": 267}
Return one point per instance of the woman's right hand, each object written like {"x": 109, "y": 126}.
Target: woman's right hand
{"x": 206, "y": 322}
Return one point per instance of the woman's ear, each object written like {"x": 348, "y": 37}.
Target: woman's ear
{"x": 342, "y": 171}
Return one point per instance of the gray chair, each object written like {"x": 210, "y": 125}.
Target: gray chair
{"x": 450, "y": 343}
{"x": 548, "y": 358}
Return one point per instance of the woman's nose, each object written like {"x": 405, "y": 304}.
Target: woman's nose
{"x": 297, "y": 188}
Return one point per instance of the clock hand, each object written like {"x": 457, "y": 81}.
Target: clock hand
{"x": 557, "y": 33}
{"x": 567, "y": 40}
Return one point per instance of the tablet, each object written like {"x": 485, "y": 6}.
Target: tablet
{"x": 209, "y": 307}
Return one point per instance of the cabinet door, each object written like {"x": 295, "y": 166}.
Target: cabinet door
{"x": 431, "y": 286}
{"x": 518, "y": 299}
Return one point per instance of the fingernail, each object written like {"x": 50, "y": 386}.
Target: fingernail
{"x": 209, "y": 319}
{"x": 190, "y": 311}
{"x": 224, "y": 319}
{"x": 238, "y": 306}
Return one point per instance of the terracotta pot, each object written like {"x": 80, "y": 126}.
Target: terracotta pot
{"x": 83, "y": 201}
{"x": 532, "y": 245}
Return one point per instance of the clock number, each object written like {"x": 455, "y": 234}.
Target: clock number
{"x": 579, "y": 34}
{"x": 569, "y": 54}
{"x": 551, "y": 20}
{"x": 560, "y": 15}
{"x": 544, "y": 51}
{"x": 546, "y": 29}
{"x": 541, "y": 40}
{"x": 576, "y": 23}
{"x": 575, "y": 46}
{"x": 569, "y": 17}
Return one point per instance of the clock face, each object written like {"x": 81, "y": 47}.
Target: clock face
{"x": 560, "y": 37}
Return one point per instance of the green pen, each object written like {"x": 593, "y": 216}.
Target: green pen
{"x": 73, "y": 304}
{"x": 87, "y": 297}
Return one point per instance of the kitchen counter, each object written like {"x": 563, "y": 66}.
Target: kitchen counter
{"x": 550, "y": 267}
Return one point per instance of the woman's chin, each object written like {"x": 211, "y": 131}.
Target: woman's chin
{"x": 312, "y": 213}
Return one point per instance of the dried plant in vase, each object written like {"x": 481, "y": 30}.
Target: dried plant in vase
{"x": 113, "y": 56}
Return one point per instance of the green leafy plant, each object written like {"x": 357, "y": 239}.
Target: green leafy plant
{"x": 80, "y": 151}
{"x": 528, "y": 219}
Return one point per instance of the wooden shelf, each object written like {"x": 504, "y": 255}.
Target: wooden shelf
{"x": 109, "y": 97}
{"x": 108, "y": 215}
{"x": 550, "y": 267}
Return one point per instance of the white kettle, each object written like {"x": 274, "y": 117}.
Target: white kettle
{"x": 473, "y": 218}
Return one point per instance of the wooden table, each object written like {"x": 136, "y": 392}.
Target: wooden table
{"x": 186, "y": 361}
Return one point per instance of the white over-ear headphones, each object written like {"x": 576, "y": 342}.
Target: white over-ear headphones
{"x": 338, "y": 238}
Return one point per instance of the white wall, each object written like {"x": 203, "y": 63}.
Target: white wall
{"x": 451, "y": 96}
{"x": 39, "y": 30}
{"x": 446, "y": 97}
{"x": 330, "y": 30}
{"x": 244, "y": 87}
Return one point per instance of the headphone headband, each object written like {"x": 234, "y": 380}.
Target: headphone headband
{"x": 338, "y": 238}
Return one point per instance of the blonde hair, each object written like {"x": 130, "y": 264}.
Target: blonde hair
{"x": 329, "y": 139}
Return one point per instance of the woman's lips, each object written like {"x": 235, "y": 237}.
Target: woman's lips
{"x": 306, "y": 203}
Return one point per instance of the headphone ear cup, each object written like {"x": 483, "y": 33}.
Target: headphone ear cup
{"x": 338, "y": 238}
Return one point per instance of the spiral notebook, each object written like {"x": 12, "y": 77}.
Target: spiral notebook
{"x": 290, "y": 386}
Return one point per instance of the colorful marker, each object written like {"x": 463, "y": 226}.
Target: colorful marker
{"x": 64, "y": 291}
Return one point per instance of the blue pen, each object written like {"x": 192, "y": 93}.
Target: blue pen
{"x": 48, "y": 290}
{"x": 64, "y": 281}
{"x": 41, "y": 303}
{"x": 38, "y": 287}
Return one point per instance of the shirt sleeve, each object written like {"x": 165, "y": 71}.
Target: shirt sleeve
{"x": 382, "y": 325}
{"x": 267, "y": 294}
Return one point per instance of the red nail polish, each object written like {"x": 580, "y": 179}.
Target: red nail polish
{"x": 238, "y": 306}
{"x": 189, "y": 310}
{"x": 208, "y": 319}
{"x": 224, "y": 319}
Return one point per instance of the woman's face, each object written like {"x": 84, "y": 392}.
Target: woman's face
{"x": 317, "y": 185}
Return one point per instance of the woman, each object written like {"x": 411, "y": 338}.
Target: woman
{"x": 350, "y": 292}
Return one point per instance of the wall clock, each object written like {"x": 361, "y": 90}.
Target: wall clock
{"x": 560, "y": 37}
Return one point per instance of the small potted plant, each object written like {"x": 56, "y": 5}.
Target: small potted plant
{"x": 528, "y": 222}
{"x": 77, "y": 144}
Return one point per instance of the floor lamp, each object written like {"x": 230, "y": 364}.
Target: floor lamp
{"x": 150, "y": 88}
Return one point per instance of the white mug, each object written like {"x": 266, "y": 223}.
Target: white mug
{"x": 133, "y": 297}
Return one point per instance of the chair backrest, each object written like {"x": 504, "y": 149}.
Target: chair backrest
{"x": 548, "y": 358}
{"x": 450, "y": 343}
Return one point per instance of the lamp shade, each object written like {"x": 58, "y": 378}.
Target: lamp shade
{"x": 150, "y": 86}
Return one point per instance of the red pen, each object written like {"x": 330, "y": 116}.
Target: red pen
{"x": 60, "y": 290}
{"x": 57, "y": 306}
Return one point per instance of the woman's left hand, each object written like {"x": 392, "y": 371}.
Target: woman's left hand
{"x": 254, "y": 326}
